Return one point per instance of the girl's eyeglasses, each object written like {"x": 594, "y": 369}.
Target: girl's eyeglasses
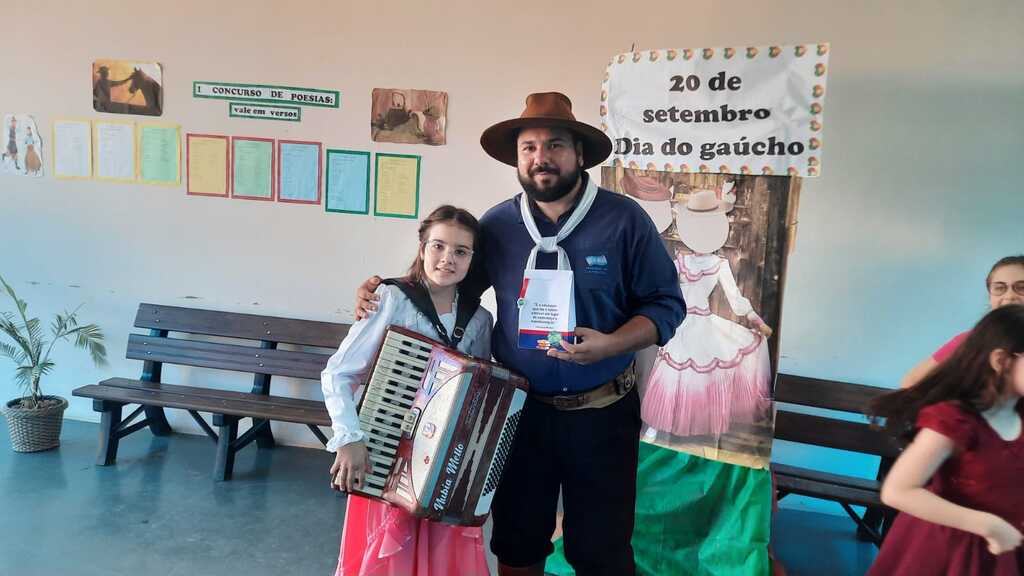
{"x": 438, "y": 248}
{"x": 1000, "y": 288}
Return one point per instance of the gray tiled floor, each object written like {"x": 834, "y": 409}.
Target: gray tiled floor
{"x": 157, "y": 512}
{"x": 815, "y": 544}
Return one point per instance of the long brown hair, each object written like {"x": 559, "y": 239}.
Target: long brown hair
{"x": 966, "y": 377}
{"x": 441, "y": 215}
{"x": 1007, "y": 261}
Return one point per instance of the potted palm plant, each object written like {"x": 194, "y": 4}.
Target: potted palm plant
{"x": 34, "y": 420}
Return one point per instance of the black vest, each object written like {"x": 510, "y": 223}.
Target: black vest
{"x": 420, "y": 297}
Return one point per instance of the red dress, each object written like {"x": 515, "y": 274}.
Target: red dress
{"x": 379, "y": 539}
{"x": 984, "y": 473}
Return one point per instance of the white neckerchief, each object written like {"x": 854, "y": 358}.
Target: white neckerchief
{"x": 550, "y": 243}
{"x": 454, "y": 313}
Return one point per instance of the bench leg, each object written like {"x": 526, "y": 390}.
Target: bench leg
{"x": 265, "y": 437}
{"x": 871, "y": 531}
{"x": 157, "y": 421}
{"x": 875, "y": 518}
{"x": 888, "y": 517}
{"x": 110, "y": 421}
{"x": 227, "y": 433}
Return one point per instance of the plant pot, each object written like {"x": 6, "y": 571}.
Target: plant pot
{"x": 35, "y": 430}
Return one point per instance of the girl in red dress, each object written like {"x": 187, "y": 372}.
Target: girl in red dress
{"x": 958, "y": 485}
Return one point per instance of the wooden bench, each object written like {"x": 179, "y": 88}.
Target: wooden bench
{"x": 837, "y": 433}
{"x": 259, "y": 356}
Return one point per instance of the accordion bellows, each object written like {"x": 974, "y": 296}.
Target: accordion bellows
{"x": 439, "y": 427}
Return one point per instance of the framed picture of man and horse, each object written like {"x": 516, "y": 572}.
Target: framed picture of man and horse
{"x": 125, "y": 87}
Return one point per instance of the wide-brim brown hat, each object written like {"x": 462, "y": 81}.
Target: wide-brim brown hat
{"x": 545, "y": 110}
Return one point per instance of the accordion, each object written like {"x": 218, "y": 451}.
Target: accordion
{"x": 439, "y": 427}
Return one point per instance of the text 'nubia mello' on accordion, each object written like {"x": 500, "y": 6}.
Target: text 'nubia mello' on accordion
{"x": 439, "y": 427}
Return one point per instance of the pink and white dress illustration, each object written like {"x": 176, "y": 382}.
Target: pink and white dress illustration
{"x": 713, "y": 372}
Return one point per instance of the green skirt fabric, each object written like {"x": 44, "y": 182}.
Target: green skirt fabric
{"x": 695, "y": 516}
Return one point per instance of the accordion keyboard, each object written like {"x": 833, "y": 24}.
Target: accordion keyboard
{"x": 389, "y": 395}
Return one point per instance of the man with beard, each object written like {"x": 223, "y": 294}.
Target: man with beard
{"x": 579, "y": 432}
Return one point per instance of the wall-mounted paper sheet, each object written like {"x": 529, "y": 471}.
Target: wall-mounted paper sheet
{"x": 159, "y": 154}
{"x": 299, "y": 172}
{"x": 207, "y": 164}
{"x": 72, "y": 149}
{"x": 348, "y": 181}
{"x": 252, "y": 168}
{"x": 22, "y": 151}
{"x": 397, "y": 189}
{"x": 114, "y": 144}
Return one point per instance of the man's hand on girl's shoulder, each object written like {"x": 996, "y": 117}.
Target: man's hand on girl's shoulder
{"x": 366, "y": 299}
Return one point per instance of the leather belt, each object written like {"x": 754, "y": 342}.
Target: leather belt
{"x": 604, "y": 395}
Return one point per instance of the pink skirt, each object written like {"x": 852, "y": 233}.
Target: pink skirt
{"x": 382, "y": 540}
{"x": 688, "y": 400}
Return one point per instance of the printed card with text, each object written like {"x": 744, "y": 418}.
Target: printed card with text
{"x": 547, "y": 310}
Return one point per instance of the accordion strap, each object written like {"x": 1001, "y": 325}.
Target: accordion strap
{"x": 420, "y": 297}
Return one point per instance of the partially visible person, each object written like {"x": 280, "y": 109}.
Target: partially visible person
{"x": 958, "y": 484}
{"x": 379, "y": 539}
{"x": 1005, "y": 285}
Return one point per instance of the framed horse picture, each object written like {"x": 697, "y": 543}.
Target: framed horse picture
{"x": 126, "y": 87}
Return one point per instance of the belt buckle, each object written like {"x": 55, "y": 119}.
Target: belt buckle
{"x": 567, "y": 402}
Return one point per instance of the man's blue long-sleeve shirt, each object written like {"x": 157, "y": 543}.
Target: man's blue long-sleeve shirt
{"x": 620, "y": 270}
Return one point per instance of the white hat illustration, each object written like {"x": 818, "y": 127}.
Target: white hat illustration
{"x": 706, "y": 203}
{"x": 702, "y": 223}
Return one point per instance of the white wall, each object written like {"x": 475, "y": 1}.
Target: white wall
{"x": 923, "y": 126}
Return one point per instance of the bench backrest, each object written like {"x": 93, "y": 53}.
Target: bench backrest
{"x": 825, "y": 431}
{"x": 262, "y": 358}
